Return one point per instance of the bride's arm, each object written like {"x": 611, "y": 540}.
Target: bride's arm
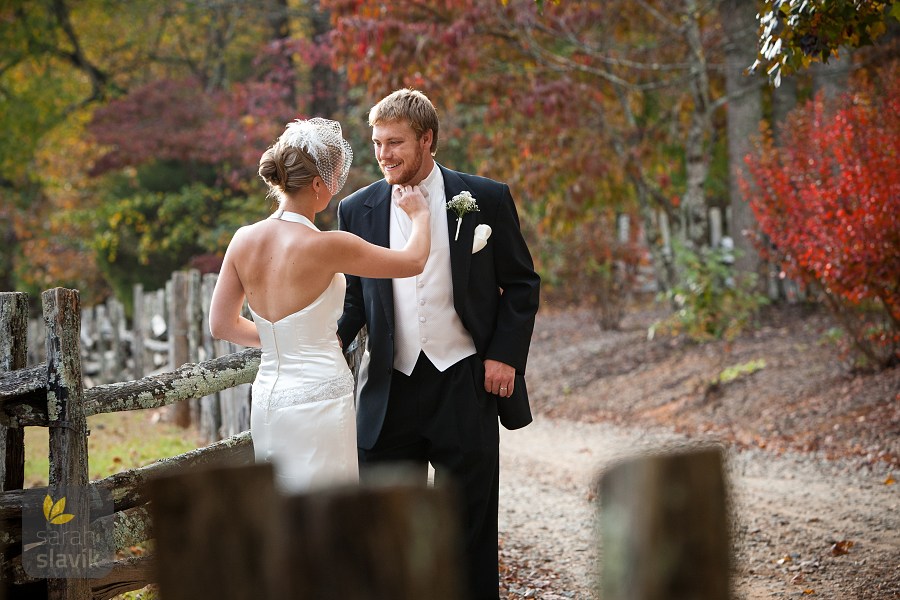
{"x": 225, "y": 320}
{"x": 355, "y": 256}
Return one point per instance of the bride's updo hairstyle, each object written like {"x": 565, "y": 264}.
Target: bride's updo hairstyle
{"x": 305, "y": 150}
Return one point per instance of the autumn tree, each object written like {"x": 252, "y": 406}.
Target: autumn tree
{"x": 581, "y": 105}
{"x": 87, "y": 87}
{"x": 828, "y": 199}
{"x": 794, "y": 34}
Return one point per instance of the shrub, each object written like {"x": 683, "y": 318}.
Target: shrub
{"x": 710, "y": 303}
{"x": 828, "y": 200}
{"x": 592, "y": 265}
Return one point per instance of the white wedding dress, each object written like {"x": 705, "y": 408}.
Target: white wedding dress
{"x": 303, "y": 418}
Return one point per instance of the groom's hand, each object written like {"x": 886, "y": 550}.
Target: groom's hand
{"x": 499, "y": 378}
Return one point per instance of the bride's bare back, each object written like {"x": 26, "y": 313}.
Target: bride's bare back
{"x": 281, "y": 267}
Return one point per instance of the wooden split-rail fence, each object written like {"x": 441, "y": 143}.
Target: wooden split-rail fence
{"x": 53, "y": 395}
{"x": 222, "y": 531}
{"x": 169, "y": 327}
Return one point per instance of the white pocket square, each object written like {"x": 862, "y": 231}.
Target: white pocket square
{"x": 482, "y": 233}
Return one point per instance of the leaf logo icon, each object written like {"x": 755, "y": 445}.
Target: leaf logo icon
{"x": 53, "y": 511}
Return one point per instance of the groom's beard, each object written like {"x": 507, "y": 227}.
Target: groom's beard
{"x": 406, "y": 172}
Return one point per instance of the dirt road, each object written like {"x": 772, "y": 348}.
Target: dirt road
{"x": 790, "y": 512}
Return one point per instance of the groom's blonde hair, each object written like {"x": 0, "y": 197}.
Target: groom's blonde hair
{"x": 411, "y": 106}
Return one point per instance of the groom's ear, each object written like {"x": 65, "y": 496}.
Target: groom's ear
{"x": 427, "y": 137}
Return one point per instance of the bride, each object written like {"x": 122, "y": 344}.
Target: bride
{"x": 302, "y": 417}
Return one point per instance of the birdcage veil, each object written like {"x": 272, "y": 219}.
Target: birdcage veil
{"x": 323, "y": 140}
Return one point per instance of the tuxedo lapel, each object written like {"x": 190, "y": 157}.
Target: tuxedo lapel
{"x": 378, "y": 232}
{"x": 461, "y": 246}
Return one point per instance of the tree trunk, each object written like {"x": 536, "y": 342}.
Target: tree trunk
{"x": 694, "y": 226}
{"x": 744, "y": 115}
{"x": 324, "y": 80}
{"x": 831, "y": 78}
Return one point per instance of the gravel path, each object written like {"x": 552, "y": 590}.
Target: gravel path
{"x": 790, "y": 512}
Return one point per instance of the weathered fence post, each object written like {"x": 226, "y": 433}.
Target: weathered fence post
{"x": 67, "y": 422}
{"x": 193, "y": 319}
{"x": 13, "y": 343}
{"x": 210, "y": 412}
{"x": 227, "y": 533}
{"x": 177, "y": 294}
{"x": 13, "y": 354}
{"x": 664, "y": 528}
{"x": 115, "y": 312}
{"x": 137, "y": 332}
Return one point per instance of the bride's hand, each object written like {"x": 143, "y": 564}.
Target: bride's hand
{"x": 412, "y": 201}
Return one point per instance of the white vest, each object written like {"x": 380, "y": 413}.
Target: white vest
{"x": 425, "y": 319}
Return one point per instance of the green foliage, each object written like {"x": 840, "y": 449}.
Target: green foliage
{"x": 795, "y": 33}
{"x": 709, "y": 302}
{"x": 733, "y": 372}
{"x": 144, "y": 236}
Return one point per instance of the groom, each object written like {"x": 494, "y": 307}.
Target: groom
{"x": 446, "y": 350}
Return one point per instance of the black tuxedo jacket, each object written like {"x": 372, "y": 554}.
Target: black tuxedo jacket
{"x": 495, "y": 293}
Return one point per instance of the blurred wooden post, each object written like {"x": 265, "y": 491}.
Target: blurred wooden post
{"x": 177, "y": 289}
{"x": 214, "y": 533}
{"x": 67, "y": 423}
{"x": 664, "y": 528}
{"x": 227, "y": 533}
{"x": 393, "y": 540}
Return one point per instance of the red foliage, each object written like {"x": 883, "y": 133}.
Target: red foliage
{"x": 828, "y": 199}
{"x": 178, "y": 120}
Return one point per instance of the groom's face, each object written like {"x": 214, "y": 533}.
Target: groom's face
{"x": 403, "y": 158}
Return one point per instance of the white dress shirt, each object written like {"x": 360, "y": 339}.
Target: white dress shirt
{"x": 425, "y": 319}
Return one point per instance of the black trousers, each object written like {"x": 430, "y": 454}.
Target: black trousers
{"x": 447, "y": 419}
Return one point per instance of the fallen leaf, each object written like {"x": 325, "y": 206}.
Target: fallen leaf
{"x": 890, "y": 480}
{"x": 842, "y": 547}
{"x": 808, "y": 592}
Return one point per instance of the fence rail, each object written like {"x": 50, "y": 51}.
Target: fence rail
{"x": 168, "y": 328}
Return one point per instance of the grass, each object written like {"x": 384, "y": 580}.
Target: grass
{"x": 117, "y": 442}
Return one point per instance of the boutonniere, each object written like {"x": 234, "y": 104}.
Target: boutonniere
{"x": 461, "y": 204}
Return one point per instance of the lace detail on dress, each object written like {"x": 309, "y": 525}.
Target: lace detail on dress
{"x": 324, "y": 390}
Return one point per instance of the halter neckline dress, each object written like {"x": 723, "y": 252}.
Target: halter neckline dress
{"x": 303, "y": 416}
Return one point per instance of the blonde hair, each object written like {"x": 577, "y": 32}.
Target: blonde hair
{"x": 286, "y": 169}
{"x": 411, "y": 106}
